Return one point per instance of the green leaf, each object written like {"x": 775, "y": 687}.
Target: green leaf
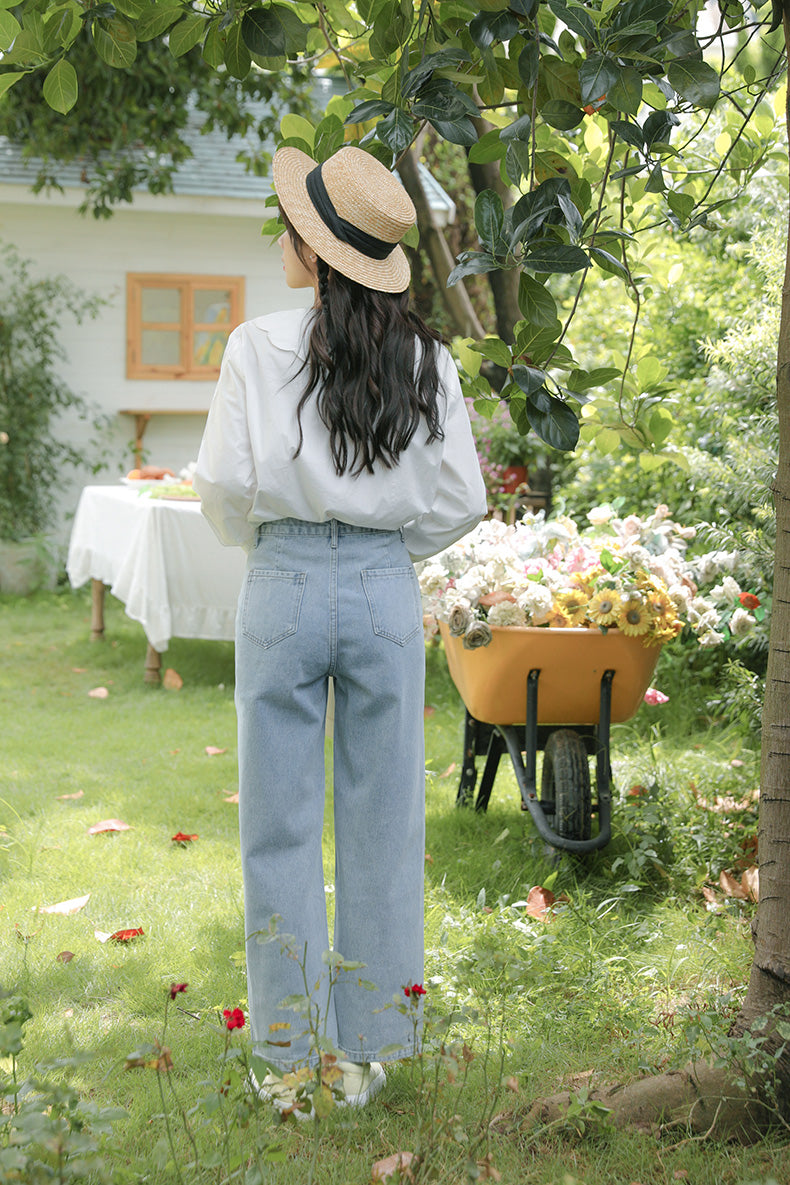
{"x": 396, "y": 130}
{"x": 555, "y": 258}
{"x": 263, "y": 33}
{"x": 661, "y": 424}
{"x": 488, "y": 148}
{"x": 460, "y": 131}
{"x": 607, "y": 441}
{"x": 10, "y": 29}
{"x": 186, "y": 34}
{"x": 297, "y": 125}
{"x": 562, "y": 115}
{"x": 489, "y": 218}
{"x": 529, "y": 378}
{"x": 630, "y": 132}
{"x": 554, "y": 421}
{"x": 582, "y": 380}
{"x": 442, "y": 100}
{"x": 575, "y": 18}
{"x": 607, "y": 262}
{"x": 213, "y": 52}
{"x": 8, "y": 80}
{"x": 154, "y": 22}
{"x": 371, "y": 109}
{"x": 489, "y": 27}
{"x": 495, "y": 349}
{"x": 695, "y": 81}
{"x": 61, "y": 87}
{"x": 471, "y": 263}
{"x": 597, "y": 75}
{"x": 518, "y": 161}
{"x": 520, "y": 129}
{"x": 626, "y": 93}
{"x": 237, "y": 57}
{"x": 528, "y": 63}
{"x": 680, "y": 203}
{"x": 115, "y": 42}
{"x": 536, "y": 302}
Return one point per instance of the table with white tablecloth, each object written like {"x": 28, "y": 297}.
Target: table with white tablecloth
{"x": 161, "y": 559}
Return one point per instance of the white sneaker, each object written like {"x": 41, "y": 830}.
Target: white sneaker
{"x": 273, "y": 1090}
{"x": 361, "y": 1081}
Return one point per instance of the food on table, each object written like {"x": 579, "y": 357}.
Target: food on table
{"x": 149, "y": 473}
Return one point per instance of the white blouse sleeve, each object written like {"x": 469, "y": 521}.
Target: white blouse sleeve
{"x": 460, "y": 501}
{"x": 225, "y": 474}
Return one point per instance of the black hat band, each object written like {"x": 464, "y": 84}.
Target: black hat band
{"x": 360, "y": 240}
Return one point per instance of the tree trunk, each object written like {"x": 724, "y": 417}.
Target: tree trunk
{"x": 456, "y": 299}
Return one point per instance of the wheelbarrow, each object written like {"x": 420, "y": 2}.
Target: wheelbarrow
{"x": 555, "y": 690}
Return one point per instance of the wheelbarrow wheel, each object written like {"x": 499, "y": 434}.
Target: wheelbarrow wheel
{"x": 565, "y": 785}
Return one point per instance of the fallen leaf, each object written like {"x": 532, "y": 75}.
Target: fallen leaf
{"x": 428, "y": 710}
{"x": 67, "y": 907}
{"x": 709, "y": 895}
{"x": 108, "y": 825}
{"x": 126, "y": 935}
{"x": 680, "y": 1175}
{"x": 730, "y": 887}
{"x": 98, "y": 693}
{"x": 512, "y": 1083}
{"x": 232, "y": 797}
{"x": 451, "y": 768}
{"x": 65, "y": 956}
{"x": 76, "y": 794}
{"x": 736, "y": 763}
{"x": 171, "y": 680}
{"x": 428, "y": 858}
{"x": 384, "y": 1169}
{"x": 69, "y": 1012}
{"x": 182, "y": 839}
{"x": 750, "y": 883}
{"x": 102, "y": 935}
{"x": 213, "y": 751}
{"x": 80, "y": 670}
{"x": 539, "y": 903}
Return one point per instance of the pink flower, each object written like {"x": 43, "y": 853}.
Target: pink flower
{"x": 654, "y": 697}
{"x": 234, "y": 1018}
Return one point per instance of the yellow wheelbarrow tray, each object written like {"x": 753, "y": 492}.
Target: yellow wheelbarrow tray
{"x": 522, "y": 693}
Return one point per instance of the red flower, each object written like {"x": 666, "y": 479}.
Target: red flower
{"x": 175, "y": 988}
{"x": 126, "y": 935}
{"x": 749, "y": 600}
{"x": 181, "y": 838}
{"x": 415, "y": 990}
{"x": 234, "y": 1018}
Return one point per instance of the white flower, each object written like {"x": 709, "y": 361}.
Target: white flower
{"x": 4, "y": 438}
{"x": 631, "y": 525}
{"x": 728, "y": 590}
{"x": 710, "y": 638}
{"x": 599, "y": 516}
{"x": 433, "y": 578}
{"x": 741, "y": 623}
{"x": 536, "y": 600}
{"x": 506, "y": 613}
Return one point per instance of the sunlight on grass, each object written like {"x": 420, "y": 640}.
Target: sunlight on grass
{"x": 611, "y": 988}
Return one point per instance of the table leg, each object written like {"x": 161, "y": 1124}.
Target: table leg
{"x": 153, "y": 665}
{"x": 97, "y": 611}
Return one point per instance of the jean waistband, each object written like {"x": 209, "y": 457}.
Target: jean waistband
{"x": 333, "y": 528}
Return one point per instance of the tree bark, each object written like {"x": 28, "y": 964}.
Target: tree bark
{"x": 456, "y": 299}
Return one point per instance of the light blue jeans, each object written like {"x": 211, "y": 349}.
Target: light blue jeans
{"x": 321, "y": 600}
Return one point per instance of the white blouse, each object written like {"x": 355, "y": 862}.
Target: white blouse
{"x": 247, "y": 473}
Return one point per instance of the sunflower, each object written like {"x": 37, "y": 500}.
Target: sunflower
{"x": 558, "y": 619}
{"x": 634, "y": 618}
{"x": 605, "y": 607}
{"x": 573, "y": 603}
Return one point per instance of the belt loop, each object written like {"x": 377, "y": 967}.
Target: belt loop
{"x": 335, "y": 531}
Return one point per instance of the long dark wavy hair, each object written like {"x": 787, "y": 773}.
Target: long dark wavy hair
{"x": 372, "y": 367}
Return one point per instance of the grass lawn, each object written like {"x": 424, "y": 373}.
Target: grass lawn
{"x": 624, "y": 980}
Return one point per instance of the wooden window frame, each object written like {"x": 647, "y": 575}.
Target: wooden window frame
{"x": 187, "y": 286}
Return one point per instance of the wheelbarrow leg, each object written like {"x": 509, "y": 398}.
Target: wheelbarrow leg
{"x": 496, "y": 747}
{"x": 466, "y": 787}
{"x": 603, "y": 764}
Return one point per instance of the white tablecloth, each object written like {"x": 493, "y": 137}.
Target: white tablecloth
{"x": 161, "y": 559}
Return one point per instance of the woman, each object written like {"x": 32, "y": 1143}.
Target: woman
{"x": 337, "y": 450}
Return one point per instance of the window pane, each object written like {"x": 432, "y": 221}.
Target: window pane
{"x": 161, "y": 347}
{"x": 212, "y": 305}
{"x": 208, "y": 348}
{"x": 161, "y": 304}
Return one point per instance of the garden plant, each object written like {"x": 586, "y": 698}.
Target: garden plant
{"x": 593, "y": 116}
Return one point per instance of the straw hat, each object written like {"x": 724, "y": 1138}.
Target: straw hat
{"x": 351, "y": 211}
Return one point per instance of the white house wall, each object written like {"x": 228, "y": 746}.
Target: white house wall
{"x": 179, "y": 235}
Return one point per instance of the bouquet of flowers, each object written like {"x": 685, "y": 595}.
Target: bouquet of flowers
{"x": 632, "y": 574}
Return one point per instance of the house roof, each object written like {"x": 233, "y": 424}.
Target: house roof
{"x": 211, "y": 171}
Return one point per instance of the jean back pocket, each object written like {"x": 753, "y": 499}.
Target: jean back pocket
{"x": 393, "y": 596}
{"x": 271, "y": 606}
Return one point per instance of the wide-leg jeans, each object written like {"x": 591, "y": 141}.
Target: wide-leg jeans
{"x": 325, "y": 600}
